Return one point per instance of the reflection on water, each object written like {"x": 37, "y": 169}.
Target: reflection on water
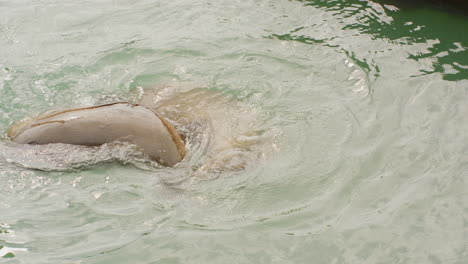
{"x": 443, "y": 30}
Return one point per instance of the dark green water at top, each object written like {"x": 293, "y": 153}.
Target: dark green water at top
{"x": 411, "y": 24}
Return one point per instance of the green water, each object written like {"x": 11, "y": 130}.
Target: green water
{"x": 367, "y": 103}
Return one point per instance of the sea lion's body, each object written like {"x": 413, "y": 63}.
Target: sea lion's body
{"x": 220, "y": 132}
{"x": 97, "y": 125}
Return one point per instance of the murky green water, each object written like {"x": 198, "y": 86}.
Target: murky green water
{"x": 365, "y": 106}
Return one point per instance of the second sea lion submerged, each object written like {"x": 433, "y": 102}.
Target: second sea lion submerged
{"x": 223, "y": 132}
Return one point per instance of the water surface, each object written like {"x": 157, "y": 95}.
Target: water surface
{"x": 365, "y": 104}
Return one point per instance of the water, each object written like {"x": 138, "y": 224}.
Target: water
{"x": 364, "y": 105}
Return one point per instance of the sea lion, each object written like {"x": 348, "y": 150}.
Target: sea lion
{"x": 209, "y": 128}
{"x": 97, "y": 125}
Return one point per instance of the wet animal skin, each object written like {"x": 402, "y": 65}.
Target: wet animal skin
{"x": 97, "y": 125}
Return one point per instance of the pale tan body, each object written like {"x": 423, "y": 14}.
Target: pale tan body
{"x": 92, "y": 126}
{"x": 221, "y": 132}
